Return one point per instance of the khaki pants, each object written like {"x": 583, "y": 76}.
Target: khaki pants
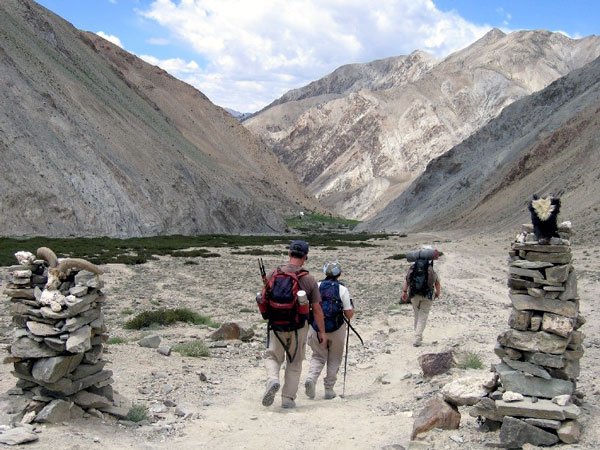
{"x": 330, "y": 355}
{"x": 421, "y": 306}
{"x": 275, "y": 355}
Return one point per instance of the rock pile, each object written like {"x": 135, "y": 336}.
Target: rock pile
{"x": 58, "y": 339}
{"x": 540, "y": 352}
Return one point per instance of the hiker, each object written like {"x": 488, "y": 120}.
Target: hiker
{"x": 421, "y": 286}
{"x": 336, "y": 304}
{"x": 288, "y": 330}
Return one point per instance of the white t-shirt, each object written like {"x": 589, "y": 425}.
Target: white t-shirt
{"x": 345, "y": 296}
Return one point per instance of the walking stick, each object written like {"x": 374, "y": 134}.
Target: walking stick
{"x": 346, "y": 357}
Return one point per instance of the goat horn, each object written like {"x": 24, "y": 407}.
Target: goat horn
{"x": 48, "y": 255}
{"x": 77, "y": 263}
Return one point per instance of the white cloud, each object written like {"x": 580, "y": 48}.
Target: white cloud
{"x": 158, "y": 41}
{"x": 110, "y": 38}
{"x": 174, "y": 65}
{"x": 279, "y": 45}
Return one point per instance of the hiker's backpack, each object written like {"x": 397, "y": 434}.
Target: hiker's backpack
{"x": 280, "y": 301}
{"x": 331, "y": 303}
{"x": 421, "y": 278}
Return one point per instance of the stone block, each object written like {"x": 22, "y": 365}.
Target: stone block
{"x": 541, "y": 409}
{"x": 85, "y": 370}
{"x": 517, "y": 381}
{"x": 556, "y": 258}
{"x": 560, "y": 325}
{"x": 506, "y": 352}
{"x": 150, "y": 341}
{"x": 558, "y": 273}
{"x": 514, "y": 433}
{"x": 50, "y": 370}
{"x": 17, "y": 436}
{"x": 25, "y": 347}
{"x": 526, "y": 302}
{"x": 570, "y": 292}
{"x": 41, "y": 329}
{"x": 79, "y": 341}
{"x": 536, "y": 322}
{"x": 544, "y": 423}
{"x": 546, "y": 360}
{"x": 527, "y": 367}
{"x": 533, "y": 341}
{"x": 468, "y": 390}
{"x": 526, "y": 273}
{"x": 569, "y": 432}
{"x": 541, "y": 248}
{"x": 88, "y": 400}
{"x": 519, "y": 320}
{"x": 73, "y": 323}
{"x": 55, "y": 412}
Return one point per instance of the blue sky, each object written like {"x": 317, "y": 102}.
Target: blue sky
{"x": 243, "y": 54}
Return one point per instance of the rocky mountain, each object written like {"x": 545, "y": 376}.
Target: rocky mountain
{"x": 94, "y": 141}
{"x": 358, "y": 137}
{"x": 544, "y": 143}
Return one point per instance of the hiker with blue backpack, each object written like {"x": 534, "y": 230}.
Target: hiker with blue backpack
{"x": 336, "y": 304}
{"x": 421, "y": 286}
{"x": 288, "y": 296}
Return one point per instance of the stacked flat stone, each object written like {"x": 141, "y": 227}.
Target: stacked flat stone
{"x": 540, "y": 352}
{"x": 57, "y": 346}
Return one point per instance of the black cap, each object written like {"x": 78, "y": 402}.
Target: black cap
{"x": 299, "y": 247}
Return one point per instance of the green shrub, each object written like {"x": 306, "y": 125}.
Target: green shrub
{"x": 471, "y": 360}
{"x": 127, "y": 311}
{"x": 195, "y": 349}
{"x": 397, "y": 256}
{"x": 116, "y": 340}
{"x": 167, "y": 317}
{"x": 137, "y": 413}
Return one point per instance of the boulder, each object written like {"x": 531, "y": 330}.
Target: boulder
{"x": 150, "y": 341}
{"x": 486, "y": 407}
{"x": 514, "y": 433}
{"x": 231, "y": 331}
{"x": 436, "y": 414}
{"x": 468, "y": 390}
{"x": 17, "y": 436}
{"x": 436, "y": 363}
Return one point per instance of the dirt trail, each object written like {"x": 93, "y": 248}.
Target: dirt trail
{"x": 384, "y": 385}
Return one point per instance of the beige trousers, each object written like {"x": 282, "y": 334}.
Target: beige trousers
{"x": 330, "y": 355}
{"x": 421, "y": 306}
{"x": 275, "y": 355}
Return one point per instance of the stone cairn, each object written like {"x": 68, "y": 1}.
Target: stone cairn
{"x": 540, "y": 352}
{"x": 58, "y": 339}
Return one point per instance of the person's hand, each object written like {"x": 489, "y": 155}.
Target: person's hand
{"x": 405, "y": 297}
{"x": 322, "y": 338}
{"x": 437, "y": 295}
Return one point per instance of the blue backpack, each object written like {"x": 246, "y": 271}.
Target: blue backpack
{"x": 333, "y": 308}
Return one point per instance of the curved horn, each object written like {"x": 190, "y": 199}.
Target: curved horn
{"x": 48, "y": 255}
{"x": 77, "y": 263}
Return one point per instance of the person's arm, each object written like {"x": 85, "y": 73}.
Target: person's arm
{"x": 438, "y": 289}
{"x": 320, "y": 319}
{"x": 346, "y": 302}
{"x": 405, "y": 292}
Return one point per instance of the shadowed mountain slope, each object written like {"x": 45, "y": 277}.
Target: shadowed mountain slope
{"x": 94, "y": 141}
{"x": 359, "y": 136}
{"x": 544, "y": 143}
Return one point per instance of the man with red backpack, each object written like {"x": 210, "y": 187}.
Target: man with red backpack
{"x": 336, "y": 304}
{"x": 421, "y": 286}
{"x": 285, "y": 303}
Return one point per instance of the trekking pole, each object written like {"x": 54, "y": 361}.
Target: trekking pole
{"x": 346, "y": 357}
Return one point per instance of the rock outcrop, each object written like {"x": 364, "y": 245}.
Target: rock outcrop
{"x": 358, "y": 137}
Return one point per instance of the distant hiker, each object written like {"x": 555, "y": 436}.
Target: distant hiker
{"x": 421, "y": 286}
{"x": 285, "y": 303}
{"x": 336, "y": 304}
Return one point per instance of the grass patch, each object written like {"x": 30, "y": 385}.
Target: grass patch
{"x": 137, "y": 413}
{"x": 103, "y": 250}
{"x": 247, "y": 310}
{"x": 127, "y": 311}
{"x": 259, "y": 252}
{"x": 194, "y": 349}
{"x": 311, "y": 222}
{"x": 165, "y": 317}
{"x": 155, "y": 302}
{"x": 116, "y": 341}
{"x": 471, "y": 360}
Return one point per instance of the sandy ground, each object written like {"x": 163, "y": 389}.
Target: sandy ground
{"x": 384, "y": 385}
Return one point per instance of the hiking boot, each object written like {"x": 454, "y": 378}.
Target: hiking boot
{"x": 309, "y": 388}
{"x": 269, "y": 395}
{"x": 417, "y": 344}
{"x": 287, "y": 402}
{"x": 329, "y": 394}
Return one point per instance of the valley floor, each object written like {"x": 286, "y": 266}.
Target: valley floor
{"x": 384, "y": 385}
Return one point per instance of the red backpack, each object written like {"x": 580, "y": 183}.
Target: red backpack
{"x": 279, "y": 302}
